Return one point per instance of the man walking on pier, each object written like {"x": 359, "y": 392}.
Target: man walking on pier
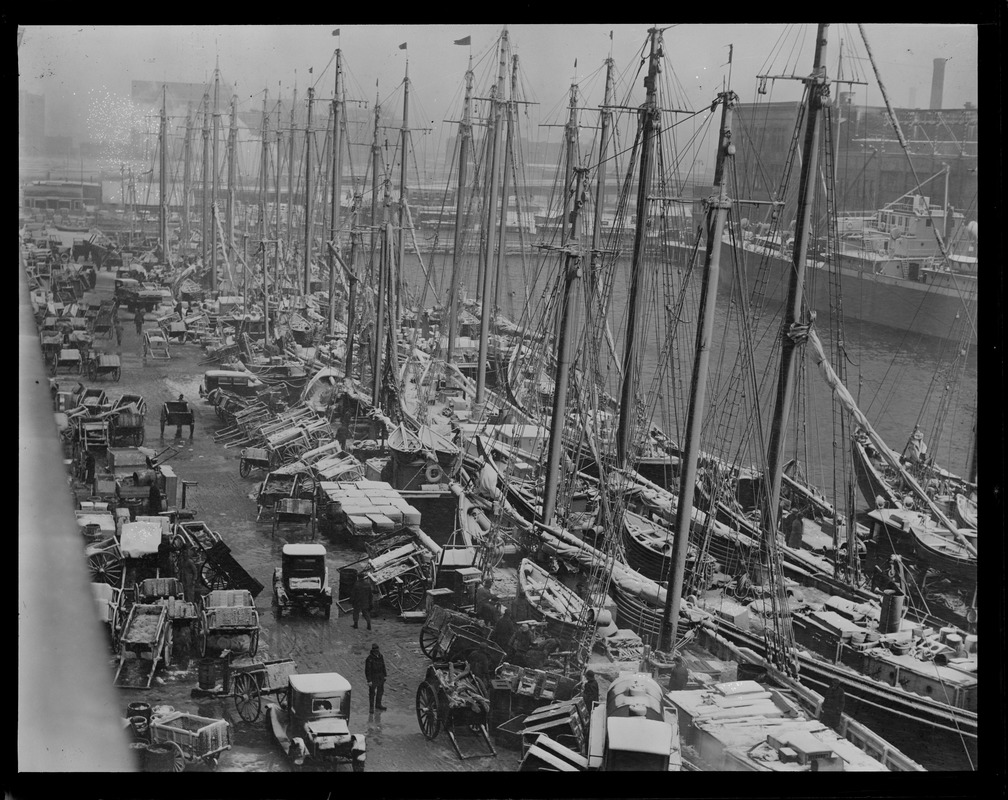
{"x": 138, "y": 320}
{"x": 374, "y": 672}
{"x": 362, "y": 599}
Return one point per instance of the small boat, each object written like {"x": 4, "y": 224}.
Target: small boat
{"x": 966, "y": 510}
{"x": 936, "y": 545}
{"x": 649, "y": 551}
{"x": 564, "y": 612}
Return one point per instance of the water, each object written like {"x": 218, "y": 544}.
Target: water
{"x": 891, "y": 374}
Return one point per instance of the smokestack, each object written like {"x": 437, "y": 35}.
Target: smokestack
{"x": 937, "y": 83}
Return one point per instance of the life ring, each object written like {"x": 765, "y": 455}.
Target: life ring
{"x": 848, "y": 225}
{"x": 433, "y": 473}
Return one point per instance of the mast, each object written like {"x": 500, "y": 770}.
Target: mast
{"x": 795, "y": 324}
{"x": 186, "y": 180}
{"x": 570, "y": 137}
{"x": 264, "y": 174}
{"x": 352, "y": 299}
{"x": 379, "y": 340}
{"x": 206, "y": 175}
{"x": 276, "y": 208}
{"x": 290, "y": 179}
{"x": 337, "y": 174}
{"x": 508, "y": 145}
{"x": 264, "y": 190}
{"x": 649, "y": 124}
{"x": 163, "y": 182}
{"x": 465, "y": 137}
{"x": 600, "y": 186}
{"x": 498, "y": 106}
{"x": 404, "y": 146}
{"x": 213, "y": 185}
{"x": 717, "y": 213}
{"x": 565, "y": 349}
{"x": 308, "y": 195}
{"x": 232, "y": 141}
{"x": 375, "y": 160}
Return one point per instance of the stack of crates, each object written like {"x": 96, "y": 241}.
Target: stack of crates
{"x": 373, "y": 507}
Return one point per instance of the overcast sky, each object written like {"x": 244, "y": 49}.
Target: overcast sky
{"x": 74, "y": 66}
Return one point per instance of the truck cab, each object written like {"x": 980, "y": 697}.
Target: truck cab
{"x": 316, "y": 722}
{"x": 631, "y": 730}
{"x": 302, "y": 580}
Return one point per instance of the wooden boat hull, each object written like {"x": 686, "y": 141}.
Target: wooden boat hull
{"x": 870, "y": 481}
{"x": 947, "y": 556}
{"x": 534, "y": 583}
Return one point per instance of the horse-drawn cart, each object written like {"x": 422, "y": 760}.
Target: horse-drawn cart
{"x": 445, "y": 634}
{"x": 191, "y": 737}
{"x": 228, "y": 621}
{"x": 294, "y": 510}
{"x": 67, "y": 360}
{"x": 450, "y": 696}
{"x": 178, "y": 413}
{"x": 218, "y": 569}
{"x": 402, "y": 575}
{"x": 103, "y": 364}
{"x": 254, "y": 458}
{"x": 145, "y": 642}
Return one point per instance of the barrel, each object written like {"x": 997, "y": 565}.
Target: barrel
{"x": 892, "y": 611}
{"x": 347, "y": 578}
{"x": 955, "y": 641}
{"x": 139, "y": 752}
{"x": 139, "y": 710}
{"x": 159, "y": 757}
{"x": 141, "y": 728}
{"x": 145, "y": 478}
{"x": 943, "y": 633}
{"x": 206, "y": 672}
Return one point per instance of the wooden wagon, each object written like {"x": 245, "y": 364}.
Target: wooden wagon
{"x": 295, "y": 510}
{"x": 103, "y": 364}
{"x": 191, "y": 737}
{"x": 227, "y": 617}
{"x": 248, "y": 682}
{"x": 449, "y": 697}
{"x": 439, "y": 620}
{"x": 67, "y": 360}
{"x": 146, "y": 641}
{"x": 178, "y": 413}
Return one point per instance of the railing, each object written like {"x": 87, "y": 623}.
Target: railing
{"x": 67, "y": 708}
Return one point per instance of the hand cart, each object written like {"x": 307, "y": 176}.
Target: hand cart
{"x": 103, "y": 364}
{"x": 227, "y": 617}
{"x": 192, "y": 738}
{"x": 178, "y": 413}
{"x": 449, "y": 697}
{"x": 146, "y": 641}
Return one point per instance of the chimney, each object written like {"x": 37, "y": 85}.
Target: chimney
{"x": 937, "y": 83}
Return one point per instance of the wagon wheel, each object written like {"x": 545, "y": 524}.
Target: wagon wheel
{"x": 244, "y": 468}
{"x": 106, "y": 568}
{"x": 427, "y": 710}
{"x": 213, "y": 577}
{"x": 92, "y": 369}
{"x": 54, "y": 364}
{"x": 281, "y": 697}
{"x": 248, "y": 702}
{"x": 201, "y": 625}
{"x": 254, "y": 644}
{"x": 117, "y": 374}
{"x": 138, "y": 438}
{"x": 429, "y": 642}
{"x": 178, "y": 762}
{"x": 169, "y": 645}
{"x": 412, "y": 594}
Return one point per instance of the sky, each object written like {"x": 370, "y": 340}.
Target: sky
{"x": 72, "y": 66}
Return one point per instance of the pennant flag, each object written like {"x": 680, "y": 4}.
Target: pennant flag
{"x": 466, "y": 40}
{"x": 309, "y": 70}
{"x": 336, "y": 32}
{"x": 610, "y": 36}
{"x": 402, "y": 46}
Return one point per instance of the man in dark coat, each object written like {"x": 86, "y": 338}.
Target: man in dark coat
{"x": 590, "y": 690}
{"x": 485, "y": 602}
{"x": 189, "y": 576}
{"x": 362, "y": 599}
{"x": 154, "y": 500}
{"x": 503, "y": 631}
{"x": 680, "y": 675}
{"x": 89, "y": 469}
{"x": 374, "y": 673}
{"x": 343, "y": 433}
{"x": 138, "y": 321}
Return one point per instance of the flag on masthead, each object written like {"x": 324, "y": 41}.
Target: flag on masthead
{"x": 336, "y": 32}
{"x": 402, "y": 46}
{"x": 466, "y": 40}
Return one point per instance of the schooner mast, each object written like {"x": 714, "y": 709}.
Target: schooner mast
{"x": 186, "y": 184}
{"x": 232, "y": 156}
{"x": 485, "y": 297}
{"x": 465, "y": 138}
{"x": 163, "y": 176}
{"x": 308, "y": 195}
{"x": 508, "y": 157}
{"x": 717, "y": 213}
{"x": 264, "y": 189}
{"x": 337, "y": 174}
{"x": 206, "y": 177}
{"x": 404, "y": 147}
{"x": 213, "y": 186}
{"x": 649, "y": 124}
